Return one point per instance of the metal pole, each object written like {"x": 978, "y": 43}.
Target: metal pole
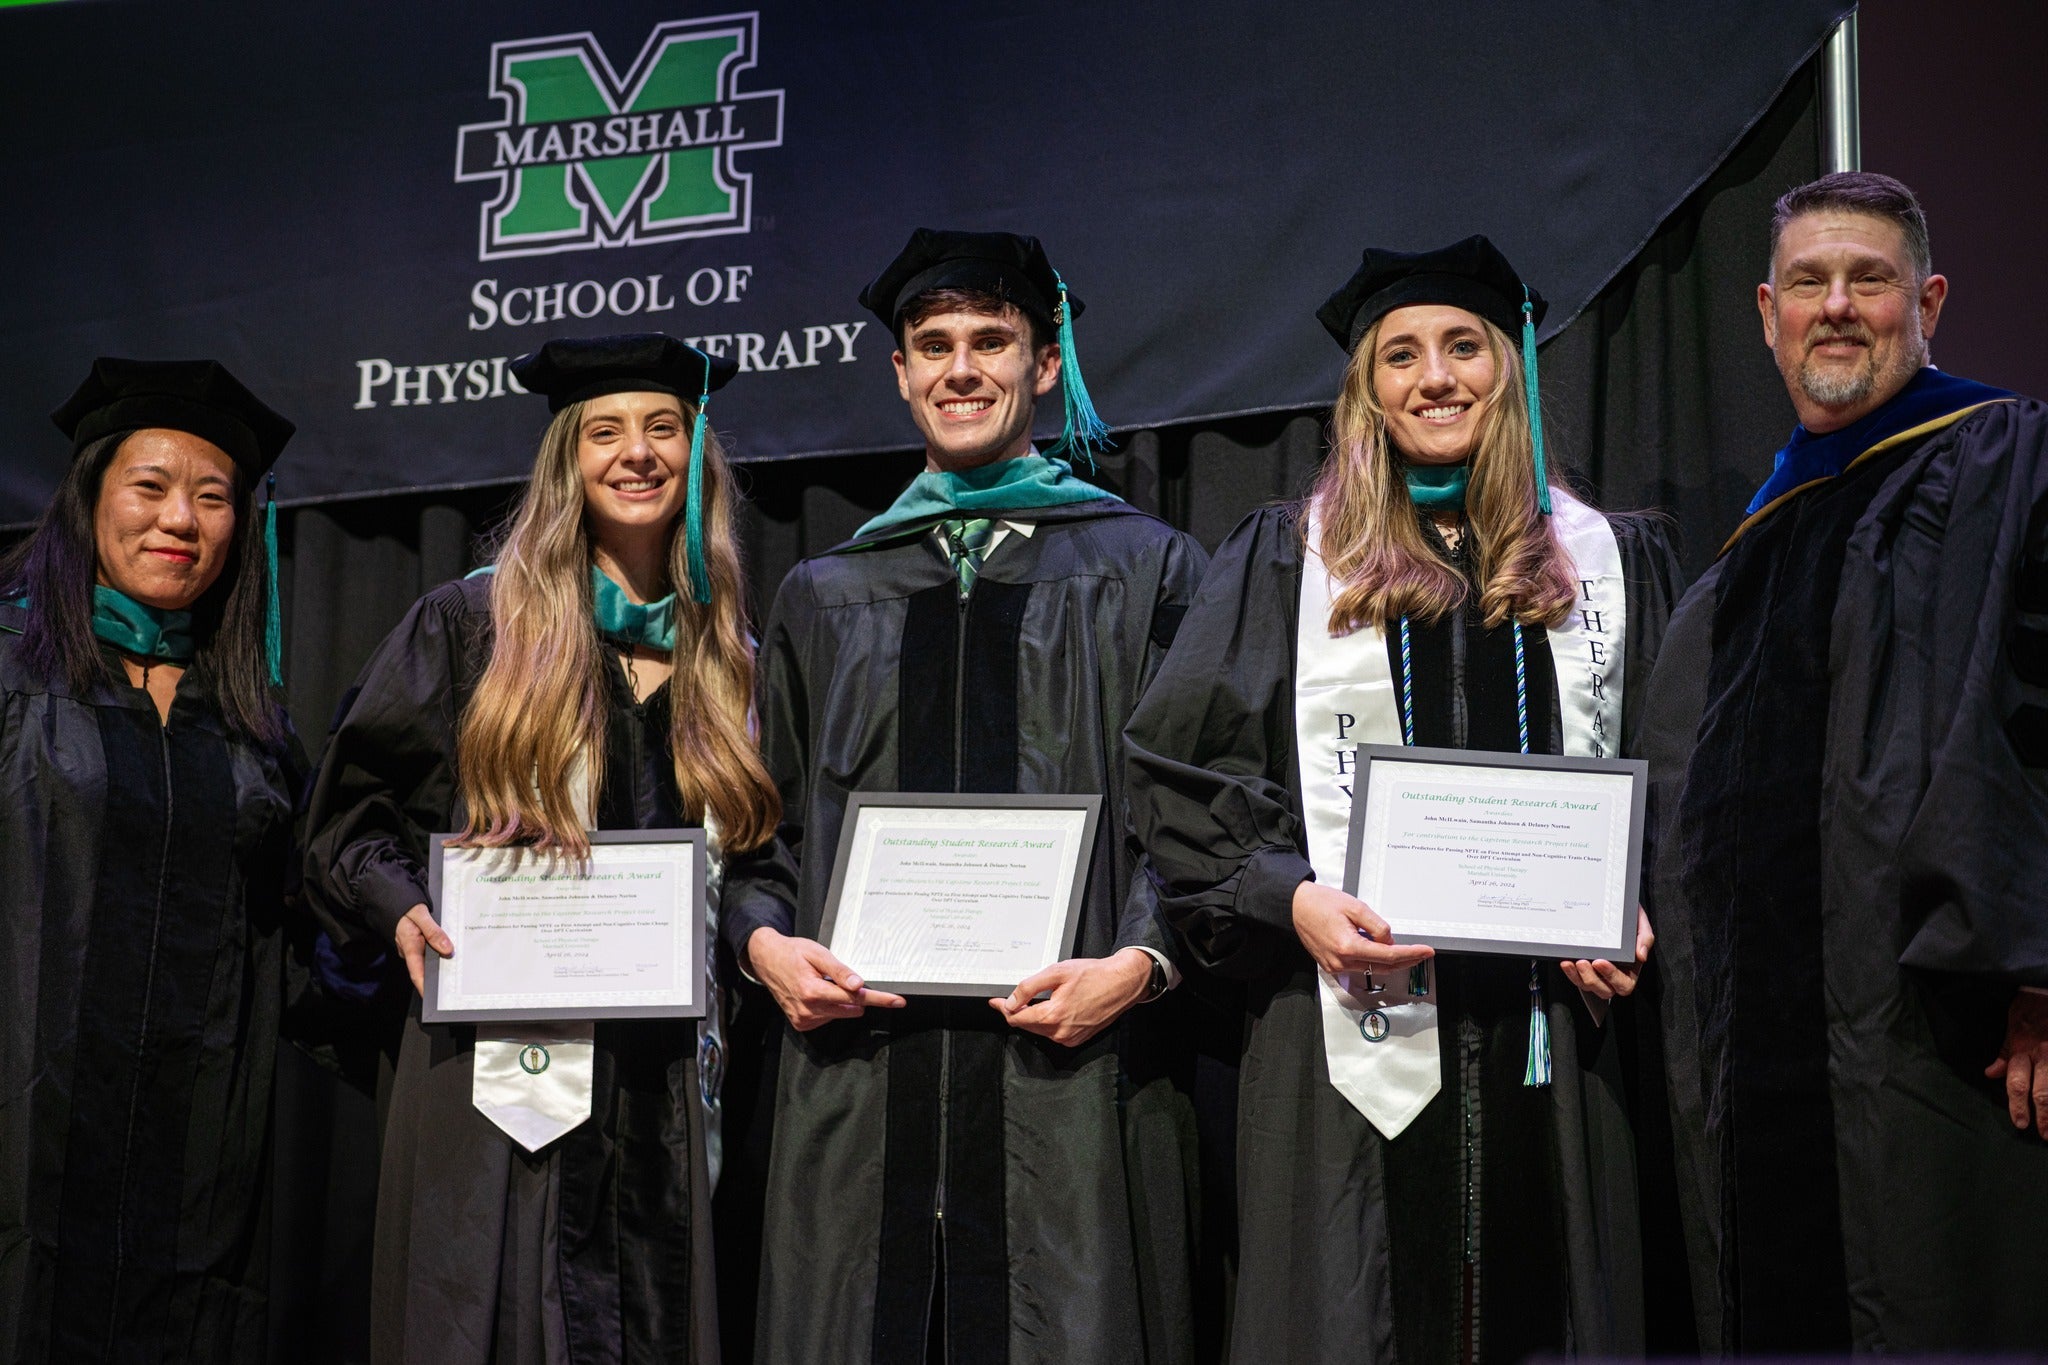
{"x": 1841, "y": 120}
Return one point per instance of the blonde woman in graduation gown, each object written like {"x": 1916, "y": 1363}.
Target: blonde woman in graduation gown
{"x": 598, "y": 677}
{"x": 1410, "y": 1186}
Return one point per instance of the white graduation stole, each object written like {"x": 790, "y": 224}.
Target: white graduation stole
{"x": 533, "y": 1080}
{"x": 1344, "y": 696}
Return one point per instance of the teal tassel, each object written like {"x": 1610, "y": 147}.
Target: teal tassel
{"x": 273, "y": 615}
{"x": 1085, "y": 432}
{"x": 1534, "y": 396}
{"x": 1538, "y": 1070}
{"x": 693, "y": 513}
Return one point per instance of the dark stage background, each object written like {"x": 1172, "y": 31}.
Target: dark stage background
{"x": 1952, "y": 106}
{"x": 1638, "y": 196}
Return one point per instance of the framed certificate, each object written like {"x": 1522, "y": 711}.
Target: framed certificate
{"x": 619, "y": 935}
{"x": 940, "y": 894}
{"x": 1533, "y": 855}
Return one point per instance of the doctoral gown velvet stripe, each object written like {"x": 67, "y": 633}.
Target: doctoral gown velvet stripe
{"x": 1067, "y": 1170}
{"x": 1852, "y": 838}
{"x": 141, "y": 956}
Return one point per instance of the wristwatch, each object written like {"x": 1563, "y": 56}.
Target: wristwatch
{"x": 1156, "y": 987}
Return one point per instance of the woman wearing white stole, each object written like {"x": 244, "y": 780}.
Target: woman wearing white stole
{"x": 598, "y": 676}
{"x": 1435, "y": 1160}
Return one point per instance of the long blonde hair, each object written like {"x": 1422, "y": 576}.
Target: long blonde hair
{"x": 536, "y": 723}
{"x": 1378, "y": 558}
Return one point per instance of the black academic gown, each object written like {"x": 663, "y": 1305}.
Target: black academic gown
{"x": 597, "y": 1248}
{"x": 1064, "y": 1173}
{"x": 1848, "y": 733}
{"x": 143, "y": 870}
{"x": 1352, "y": 1246}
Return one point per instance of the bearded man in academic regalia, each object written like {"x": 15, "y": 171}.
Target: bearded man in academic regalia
{"x": 952, "y": 1178}
{"x": 1848, "y": 734}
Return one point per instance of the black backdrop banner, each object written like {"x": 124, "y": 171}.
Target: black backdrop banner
{"x": 365, "y": 210}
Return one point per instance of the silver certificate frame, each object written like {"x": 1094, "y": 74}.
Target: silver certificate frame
{"x": 1498, "y": 853}
{"x": 683, "y": 995}
{"x": 884, "y": 946}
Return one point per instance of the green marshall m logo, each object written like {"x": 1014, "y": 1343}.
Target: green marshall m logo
{"x": 588, "y": 158}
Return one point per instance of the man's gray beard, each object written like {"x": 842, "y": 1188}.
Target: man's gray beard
{"x": 1833, "y": 389}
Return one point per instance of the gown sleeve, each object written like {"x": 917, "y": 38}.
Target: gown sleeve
{"x": 1950, "y": 616}
{"x": 769, "y": 901}
{"x": 387, "y": 780}
{"x": 1182, "y": 561}
{"x": 1209, "y": 758}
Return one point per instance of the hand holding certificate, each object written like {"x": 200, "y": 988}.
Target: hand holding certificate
{"x": 809, "y": 984}
{"x": 1525, "y": 854}
{"x": 1344, "y": 934}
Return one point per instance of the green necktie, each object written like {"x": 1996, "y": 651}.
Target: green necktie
{"x": 967, "y": 540}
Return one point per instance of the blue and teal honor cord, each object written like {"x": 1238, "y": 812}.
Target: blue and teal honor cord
{"x": 1537, "y": 1069}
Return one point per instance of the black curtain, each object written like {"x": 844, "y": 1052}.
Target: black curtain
{"x": 1660, "y": 395}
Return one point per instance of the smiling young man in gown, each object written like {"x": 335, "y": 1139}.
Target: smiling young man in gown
{"x": 965, "y": 1179}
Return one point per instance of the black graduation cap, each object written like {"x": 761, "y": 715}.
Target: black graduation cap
{"x": 569, "y": 370}
{"x": 196, "y": 396}
{"x": 1471, "y": 274}
{"x": 1000, "y": 263}
{"x": 1010, "y": 267}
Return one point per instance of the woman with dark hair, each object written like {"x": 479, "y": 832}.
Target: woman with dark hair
{"x": 147, "y": 783}
{"x": 598, "y": 676}
{"x": 1434, "y": 1157}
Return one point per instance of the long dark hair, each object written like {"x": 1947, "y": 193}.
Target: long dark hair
{"x": 59, "y": 562}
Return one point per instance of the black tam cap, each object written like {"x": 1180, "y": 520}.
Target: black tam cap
{"x": 570, "y": 370}
{"x": 1471, "y": 274}
{"x": 196, "y": 396}
{"x": 1000, "y": 263}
